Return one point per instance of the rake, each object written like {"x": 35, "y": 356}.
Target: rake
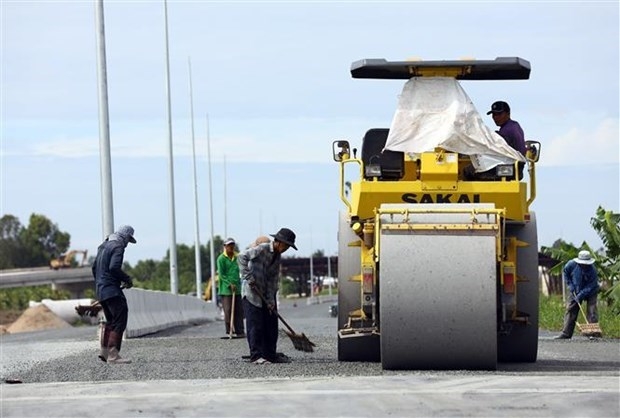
{"x": 589, "y": 329}
{"x": 300, "y": 341}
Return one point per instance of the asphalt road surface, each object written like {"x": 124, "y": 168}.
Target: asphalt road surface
{"x": 193, "y": 372}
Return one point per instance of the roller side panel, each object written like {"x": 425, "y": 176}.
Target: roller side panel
{"x": 359, "y": 347}
{"x": 521, "y": 345}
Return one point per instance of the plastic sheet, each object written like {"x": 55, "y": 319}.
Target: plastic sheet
{"x": 436, "y": 112}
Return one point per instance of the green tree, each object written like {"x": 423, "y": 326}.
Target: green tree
{"x": 44, "y": 240}
{"x": 19, "y": 297}
{"x": 607, "y": 226}
{"x": 318, "y": 254}
{"x": 605, "y": 223}
{"x": 32, "y": 246}
{"x": 11, "y": 248}
{"x": 155, "y": 275}
{"x": 144, "y": 270}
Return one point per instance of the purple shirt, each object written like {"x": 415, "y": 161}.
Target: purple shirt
{"x": 513, "y": 135}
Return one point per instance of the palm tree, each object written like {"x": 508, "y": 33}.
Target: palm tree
{"x": 607, "y": 226}
{"x": 607, "y": 264}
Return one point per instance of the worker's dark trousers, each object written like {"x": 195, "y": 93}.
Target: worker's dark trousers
{"x": 238, "y": 320}
{"x": 262, "y": 331}
{"x": 572, "y": 311}
{"x": 116, "y": 314}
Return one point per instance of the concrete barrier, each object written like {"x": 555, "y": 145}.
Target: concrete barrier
{"x": 151, "y": 311}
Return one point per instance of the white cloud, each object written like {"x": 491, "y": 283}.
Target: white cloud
{"x": 579, "y": 146}
{"x": 64, "y": 147}
{"x": 299, "y": 140}
{"x": 269, "y": 140}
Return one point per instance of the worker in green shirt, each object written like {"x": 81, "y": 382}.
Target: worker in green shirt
{"x": 229, "y": 289}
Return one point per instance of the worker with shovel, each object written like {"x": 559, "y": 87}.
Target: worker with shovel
{"x": 229, "y": 290}
{"x": 580, "y": 276}
{"x": 259, "y": 268}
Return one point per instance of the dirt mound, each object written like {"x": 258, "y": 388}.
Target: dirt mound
{"x": 8, "y": 316}
{"x": 37, "y": 318}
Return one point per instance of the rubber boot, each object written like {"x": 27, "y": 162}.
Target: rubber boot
{"x": 113, "y": 355}
{"x": 104, "y": 335}
{"x": 115, "y": 358}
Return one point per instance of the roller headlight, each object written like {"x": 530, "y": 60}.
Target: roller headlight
{"x": 505, "y": 170}
{"x": 372, "y": 170}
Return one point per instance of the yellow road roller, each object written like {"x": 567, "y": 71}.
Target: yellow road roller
{"x": 437, "y": 246}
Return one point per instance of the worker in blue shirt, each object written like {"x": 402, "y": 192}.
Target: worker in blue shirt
{"x": 580, "y": 277}
{"x": 110, "y": 280}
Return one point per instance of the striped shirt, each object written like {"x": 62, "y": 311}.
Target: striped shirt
{"x": 261, "y": 264}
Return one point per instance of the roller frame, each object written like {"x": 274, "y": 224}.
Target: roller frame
{"x": 520, "y": 344}
{"x": 352, "y": 345}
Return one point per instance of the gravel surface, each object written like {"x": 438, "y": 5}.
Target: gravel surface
{"x": 199, "y": 352}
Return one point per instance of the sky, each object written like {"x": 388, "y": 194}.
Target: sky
{"x": 271, "y": 90}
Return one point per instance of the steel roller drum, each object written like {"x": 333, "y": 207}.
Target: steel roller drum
{"x": 438, "y": 298}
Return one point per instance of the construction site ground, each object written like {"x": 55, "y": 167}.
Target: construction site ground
{"x": 192, "y": 371}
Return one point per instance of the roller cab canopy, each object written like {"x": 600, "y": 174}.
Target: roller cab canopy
{"x": 501, "y": 68}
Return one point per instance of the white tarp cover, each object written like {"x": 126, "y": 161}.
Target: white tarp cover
{"x": 436, "y": 112}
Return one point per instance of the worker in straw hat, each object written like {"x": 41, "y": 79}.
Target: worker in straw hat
{"x": 260, "y": 268}
{"x": 581, "y": 279}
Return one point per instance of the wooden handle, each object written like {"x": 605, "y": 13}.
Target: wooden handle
{"x": 259, "y": 293}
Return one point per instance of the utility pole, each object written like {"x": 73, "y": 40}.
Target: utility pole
{"x": 225, "y": 201}
{"x": 196, "y": 224}
{"x": 311, "y": 271}
{"x": 212, "y": 254}
{"x": 107, "y": 205}
{"x": 174, "y": 278}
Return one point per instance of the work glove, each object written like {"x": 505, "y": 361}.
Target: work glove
{"x": 128, "y": 283}
{"x": 233, "y": 288}
{"x": 252, "y": 283}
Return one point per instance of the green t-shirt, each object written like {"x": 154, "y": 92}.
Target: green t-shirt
{"x": 228, "y": 272}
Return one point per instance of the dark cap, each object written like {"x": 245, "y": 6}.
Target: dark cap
{"x": 286, "y": 236}
{"x": 499, "y": 107}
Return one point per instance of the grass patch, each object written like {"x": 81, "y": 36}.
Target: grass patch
{"x": 551, "y": 316}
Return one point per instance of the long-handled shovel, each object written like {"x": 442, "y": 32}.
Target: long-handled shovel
{"x": 300, "y": 341}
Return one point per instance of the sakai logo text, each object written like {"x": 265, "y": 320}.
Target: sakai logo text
{"x": 440, "y": 198}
